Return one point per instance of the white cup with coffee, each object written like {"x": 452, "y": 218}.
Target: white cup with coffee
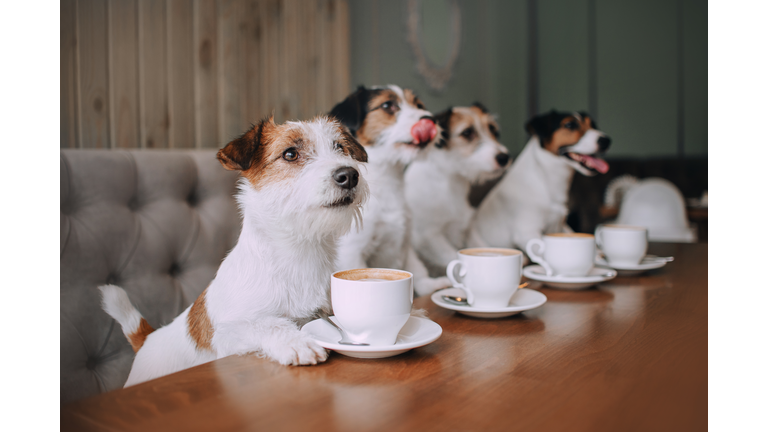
{"x": 489, "y": 276}
{"x": 563, "y": 254}
{"x": 372, "y": 305}
{"x": 624, "y": 245}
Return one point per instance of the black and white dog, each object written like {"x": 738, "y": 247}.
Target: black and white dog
{"x": 531, "y": 200}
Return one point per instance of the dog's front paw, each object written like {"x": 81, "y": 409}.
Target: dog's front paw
{"x": 299, "y": 351}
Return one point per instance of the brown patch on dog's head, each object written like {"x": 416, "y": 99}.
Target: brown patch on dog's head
{"x": 267, "y": 152}
{"x": 465, "y": 127}
{"x": 199, "y": 324}
{"x": 138, "y": 337}
{"x": 559, "y": 129}
{"x": 350, "y": 146}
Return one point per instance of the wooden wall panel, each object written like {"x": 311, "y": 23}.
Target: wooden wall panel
{"x": 181, "y": 80}
{"x": 153, "y": 73}
{"x": 68, "y": 74}
{"x": 93, "y": 97}
{"x": 206, "y": 69}
{"x": 196, "y": 73}
{"x": 124, "y": 73}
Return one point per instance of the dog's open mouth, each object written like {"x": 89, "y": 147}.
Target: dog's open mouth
{"x": 589, "y": 161}
{"x": 343, "y": 202}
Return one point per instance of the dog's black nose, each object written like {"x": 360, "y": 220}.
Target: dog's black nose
{"x": 346, "y": 177}
{"x": 603, "y": 143}
{"x": 502, "y": 159}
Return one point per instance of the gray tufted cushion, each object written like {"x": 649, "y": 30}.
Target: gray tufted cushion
{"x": 156, "y": 223}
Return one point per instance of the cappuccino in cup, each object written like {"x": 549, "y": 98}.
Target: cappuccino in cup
{"x": 563, "y": 254}
{"x": 372, "y": 305}
{"x": 622, "y": 244}
{"x": 489, "y": 276}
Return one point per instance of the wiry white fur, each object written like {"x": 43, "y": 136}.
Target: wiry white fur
{"x": 437, "y": 192}
{"x": 277, "y": 276}
{"x": 115, "y": 302}
{"x": 384, "y": 241}
{"x": 531, "y": 199}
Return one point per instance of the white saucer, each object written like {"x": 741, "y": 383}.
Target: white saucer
{"x": 523, "y": 300}
{"x": 415, "y": 333}
{"x": 595, "y": 276}
{"x": 650, "y": 262}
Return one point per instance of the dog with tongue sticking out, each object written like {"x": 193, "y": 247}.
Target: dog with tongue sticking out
{"x": 531, "y": 200}
{"x": 395, "y": 129}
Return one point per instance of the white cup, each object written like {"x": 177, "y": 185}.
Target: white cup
{"x": 564, "y": 254}
{"x": 372, "y": 305}
{"x": 489, "y": 276}
{"x": 622, "y": 244}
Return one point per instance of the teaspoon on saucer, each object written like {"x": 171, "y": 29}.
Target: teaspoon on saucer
{"x": 462, "y": 301}
{"x": 344, "y": 338}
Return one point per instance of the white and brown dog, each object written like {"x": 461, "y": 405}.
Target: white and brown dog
{"x": 395, "y": 129}
{"x": 437, "y": 188}
{"x": 300, "y": 191}
{"x": 531, "y": 199}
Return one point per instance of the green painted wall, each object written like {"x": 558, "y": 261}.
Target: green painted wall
{"x": 640, "y": 99}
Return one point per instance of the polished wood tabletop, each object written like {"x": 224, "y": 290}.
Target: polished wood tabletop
{"x": 627, "y": 355}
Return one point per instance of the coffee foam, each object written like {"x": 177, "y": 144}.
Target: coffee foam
{"x": 489, "y": 252}
{"x": 372, "y": 274}
{"x": 627, "y": 227}
{"x": 570, "y": 235}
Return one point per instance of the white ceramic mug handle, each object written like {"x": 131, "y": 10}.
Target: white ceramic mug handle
{"x": 450, "y": 271}
{"x": 538, "y": 258}
{"x": 599, "y": 237}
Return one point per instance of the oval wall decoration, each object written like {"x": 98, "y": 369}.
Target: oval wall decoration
{"x": 436, "y": 76}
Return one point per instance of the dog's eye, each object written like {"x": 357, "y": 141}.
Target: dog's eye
{"x": 338, "y": 147}
{"x": 494, "y": 131}
{"x": 390, "y": 107}
{"x": 291, "y": 154}
{"x": 420, "y": 105}
{"x": 468, "y": 133}
{"x": 572, "y": 125}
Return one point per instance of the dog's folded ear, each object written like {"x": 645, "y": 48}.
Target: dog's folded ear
{"x": 481, "y": 107}
{"x": 355, "y": 149}
{"x": 443, "y": 119}
{"x": 352, "y": 110}
{"x": 240, "y": 154}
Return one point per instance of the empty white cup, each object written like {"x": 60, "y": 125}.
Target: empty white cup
{"x": 563, "y": 254}
{"x": 622, "y": 244}
{"x": 489, "y": 276}
{"x": 372, "y": 305}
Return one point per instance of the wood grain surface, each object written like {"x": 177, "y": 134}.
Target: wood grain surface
{"x": 628, "y": 355}
{"x": 196, "y": 73}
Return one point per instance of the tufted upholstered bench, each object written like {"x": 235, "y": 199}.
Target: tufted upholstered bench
{"x": 156, "y": 223}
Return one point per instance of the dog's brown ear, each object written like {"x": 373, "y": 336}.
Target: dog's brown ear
{"x": 239, "y": 154}
{"x": 356, "y": 151}
{"x": 443, "y": 119}
{"x": 586, "y": 117}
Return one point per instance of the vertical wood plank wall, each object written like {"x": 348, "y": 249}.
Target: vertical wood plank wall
{"x": 196, "y": 73}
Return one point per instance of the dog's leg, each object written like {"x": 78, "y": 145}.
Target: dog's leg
{"x": 277, "y": 338}
{"x": 422, "y": 283}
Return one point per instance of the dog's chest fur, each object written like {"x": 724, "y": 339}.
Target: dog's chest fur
{"x": 386, "y": 215}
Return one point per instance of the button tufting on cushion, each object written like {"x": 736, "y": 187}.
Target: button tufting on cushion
{"x": 188, "y": 222}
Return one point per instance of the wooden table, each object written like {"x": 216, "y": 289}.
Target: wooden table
{"x": 628, "y": 355}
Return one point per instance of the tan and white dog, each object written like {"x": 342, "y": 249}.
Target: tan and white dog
{"x": 300, "y": 191}
{"x": 531, "y": 199}
{"x": 395, "y": 129}
{"x": 437, "y": 188}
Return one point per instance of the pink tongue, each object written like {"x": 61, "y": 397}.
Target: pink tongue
{"x": 423, "y": 131}
{"x": 597, "y": 164}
